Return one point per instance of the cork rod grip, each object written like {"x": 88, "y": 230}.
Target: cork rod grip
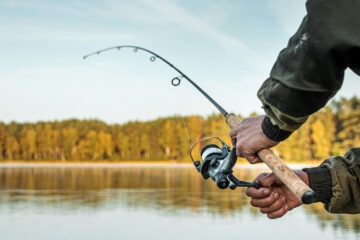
{"x": 302, "y": 191}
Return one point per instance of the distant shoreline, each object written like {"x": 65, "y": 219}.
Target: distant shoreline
{"x": 19, "y": 164}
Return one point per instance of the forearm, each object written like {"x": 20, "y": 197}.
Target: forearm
{"x": 336, "y": 182}
{"x": 310, "y": 70}
{"x": 287, "y": 108}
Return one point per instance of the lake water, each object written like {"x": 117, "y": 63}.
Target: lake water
{"x": 144, "y": 202}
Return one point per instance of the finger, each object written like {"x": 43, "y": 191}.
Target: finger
{"x": 258, "y": 160}
{"x": 265, "y": 202}
{"x": 253, "y": 159}
{"x": 238, "y": 153}
{"x": 260, "y": 177}
{"x": 279, "y": 203}
{"x": 257, "y": 193}
{"x": 279, "y": 213}
{"x": 269, "y": 180}
{"x": 238, "y": 147}
{"x": 233, "y": 133}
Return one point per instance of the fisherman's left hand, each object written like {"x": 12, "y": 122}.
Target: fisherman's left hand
{"x": 274, "y": 199}
{"x": 250, "y": 139}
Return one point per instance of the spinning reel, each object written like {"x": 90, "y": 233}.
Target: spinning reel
{"x": 217, "y": 163}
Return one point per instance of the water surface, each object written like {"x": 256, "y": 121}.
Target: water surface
{"x": 143, "y": 202}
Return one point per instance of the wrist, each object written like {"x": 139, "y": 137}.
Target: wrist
{"x": 320, "y": 182}
{"x": 272, "y": 131}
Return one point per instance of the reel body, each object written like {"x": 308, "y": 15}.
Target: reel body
{"x": 217, "y": 164}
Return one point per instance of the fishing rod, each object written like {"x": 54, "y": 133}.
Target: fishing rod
{"x": 217, "y": 162}
{"x": 175, "y": 81}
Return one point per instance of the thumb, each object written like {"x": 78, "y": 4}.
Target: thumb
{"x": 269, "y": 180}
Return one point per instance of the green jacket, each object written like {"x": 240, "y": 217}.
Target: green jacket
{"x": 306, "y": 75}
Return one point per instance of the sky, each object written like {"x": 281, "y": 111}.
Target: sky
{"x": 227, "y": 47}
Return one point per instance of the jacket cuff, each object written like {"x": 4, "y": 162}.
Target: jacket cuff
{"x": 272, "y": 131}
{"x": 320, "y": 183}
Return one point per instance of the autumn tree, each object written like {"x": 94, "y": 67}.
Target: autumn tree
{"x": 331, "y": 131}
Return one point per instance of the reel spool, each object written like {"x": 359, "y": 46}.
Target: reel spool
{"x": 217, "y": 163}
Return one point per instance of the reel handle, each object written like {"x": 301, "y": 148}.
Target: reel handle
{"x": 302, "y": 191}
{"x": 221, "y": 181}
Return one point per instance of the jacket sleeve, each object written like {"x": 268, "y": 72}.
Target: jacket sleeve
{"x": 336, "y": 182}
{"x": 310, "y": 70}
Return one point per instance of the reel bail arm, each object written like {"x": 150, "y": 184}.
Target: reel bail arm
{"x": 217, "y": 163}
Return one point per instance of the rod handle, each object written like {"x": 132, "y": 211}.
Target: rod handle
{"x": 302, "y": 191}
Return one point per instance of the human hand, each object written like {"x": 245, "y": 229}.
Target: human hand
{"x": 274, "y": 199}
{"x": 250, "y": 139}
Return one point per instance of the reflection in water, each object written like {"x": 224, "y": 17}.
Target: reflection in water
{"x": 170, "y": 190}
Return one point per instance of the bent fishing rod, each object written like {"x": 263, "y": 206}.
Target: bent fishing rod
{"x": 217, "y": 163}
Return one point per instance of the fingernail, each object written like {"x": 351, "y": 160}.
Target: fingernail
{"x": 286, "y": 207}
{"x": 276, "y": 195}
{"x": 283, "y": 199}
{"x": 266, "y": 191}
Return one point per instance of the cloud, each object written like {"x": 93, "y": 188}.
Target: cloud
{"x": 31, "y": 29}
{"x": 147, "y": 13}
{"x": 74, "y": 9}
{"x": 107, "y": 9}
{"x": 178, "y": 15}
{"x": 36, "y": 33}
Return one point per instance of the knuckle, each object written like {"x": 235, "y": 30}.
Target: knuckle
{"x": 267, "y": 202}
{"x": 240, "y": 147}
{"x": 270, "y": 201}
{"x": 254, "y": 203}
{"x": 279, "y": 204}
{"x": 248, "y": 192}
{"x": 276, "y": 206}
{"x": 246, "y": 151}
{"x": 260, "y": 176}
{"x": 257, "y": 178}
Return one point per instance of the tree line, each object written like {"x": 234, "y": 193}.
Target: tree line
{"x": 331, "y": 131}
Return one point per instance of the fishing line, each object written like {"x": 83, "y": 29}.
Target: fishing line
{"x": 186, "y": 131}
{"x": 188, "y": 138}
